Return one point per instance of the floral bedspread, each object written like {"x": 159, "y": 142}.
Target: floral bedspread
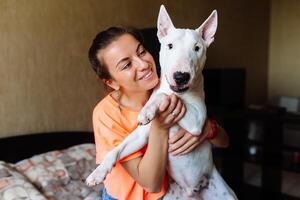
{"x": 56, "y": 175}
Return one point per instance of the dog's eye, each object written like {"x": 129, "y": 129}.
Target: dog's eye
{"x": 197, "y": 48}
{"x": 170, "y": 46}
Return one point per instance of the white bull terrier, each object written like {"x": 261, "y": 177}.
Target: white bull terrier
{"x": 182, "y": 58}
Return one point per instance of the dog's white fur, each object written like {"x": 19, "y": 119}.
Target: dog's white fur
{"x": 194, "y": 174}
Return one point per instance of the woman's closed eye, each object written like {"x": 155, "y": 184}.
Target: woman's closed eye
{"x": 126, "y": 66}
{"x": 142, "y": 52}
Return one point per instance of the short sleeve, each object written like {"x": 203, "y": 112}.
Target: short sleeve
{"x": 106, "y": 136}
{"x": 109, "y": 131}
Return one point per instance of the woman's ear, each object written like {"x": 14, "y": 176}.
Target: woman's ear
{"x": 111, "y": 83}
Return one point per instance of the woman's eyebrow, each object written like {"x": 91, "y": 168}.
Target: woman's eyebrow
{"x": 138, "y": 47}
{"x": 122, "y": 60}
{"x": 126, "y": 58}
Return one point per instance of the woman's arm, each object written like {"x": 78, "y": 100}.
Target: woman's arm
{"x": 150, "y": 169}
{"x": 184, "y": 142}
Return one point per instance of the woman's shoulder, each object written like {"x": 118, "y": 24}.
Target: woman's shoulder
{"x": 105, "y": 105}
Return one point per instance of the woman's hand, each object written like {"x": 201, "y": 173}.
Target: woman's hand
{"x": 149, "y": 170}
{"x": 170, "y": 111}
{"x": 184, "y": 142}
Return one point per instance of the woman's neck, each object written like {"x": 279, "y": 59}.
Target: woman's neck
{"x": 135, "y": 100}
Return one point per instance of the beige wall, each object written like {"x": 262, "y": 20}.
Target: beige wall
{"x": 284, "y": 59}
{"x": 46, "y": 83}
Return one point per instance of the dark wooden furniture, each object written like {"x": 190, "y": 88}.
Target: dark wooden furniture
{"x": 13, "y": 149}
{"x": 270, "y": 157}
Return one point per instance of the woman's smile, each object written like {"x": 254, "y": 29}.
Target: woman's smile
{"x": 147, "y": 75}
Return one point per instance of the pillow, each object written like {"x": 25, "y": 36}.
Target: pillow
{"x": 14, "y": 185}
{"x": 62, "y": 174}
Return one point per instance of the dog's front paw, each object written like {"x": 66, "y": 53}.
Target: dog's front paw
{"x": 148, "y": 112}
{"x": 96, "y": 177}
{"x": 146, "y": 115}
{"x": 99, "y": 174}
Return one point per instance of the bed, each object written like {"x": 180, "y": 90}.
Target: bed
{"x": 47, "y": 166}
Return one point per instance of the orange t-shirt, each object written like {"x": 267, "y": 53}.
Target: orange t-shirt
{"x": 111, "y": 126}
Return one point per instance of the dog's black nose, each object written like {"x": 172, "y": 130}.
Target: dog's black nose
{"x": 181, "y": 78}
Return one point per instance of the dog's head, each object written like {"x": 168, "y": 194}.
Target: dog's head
{"x": 183, "y": 51}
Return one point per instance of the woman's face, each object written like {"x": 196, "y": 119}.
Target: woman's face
{"x": 131, "y": 67}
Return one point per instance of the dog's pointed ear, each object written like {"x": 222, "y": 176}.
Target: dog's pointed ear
{"x": 208, "y": 29}
{"x": 164, "y": 23}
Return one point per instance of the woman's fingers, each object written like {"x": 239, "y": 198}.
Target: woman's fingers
{"x": 184, "y": 146}
{"x": 184, "y": 142}
{"x": 177, "y": 136}
{"x": 181, "y": 114}
{"x": 164, "y": 104}
{"x": 189, "y": 149}
{"x": 172, "y": 104}
{"x": 171, "y": 110}
{"x": 186, "y": 138}
{"x": 174, "y": 113}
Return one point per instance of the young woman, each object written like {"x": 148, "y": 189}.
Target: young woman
{"x": 120, "y": 60}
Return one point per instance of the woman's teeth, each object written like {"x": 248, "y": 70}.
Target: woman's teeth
{"x": 147, "y": 75}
